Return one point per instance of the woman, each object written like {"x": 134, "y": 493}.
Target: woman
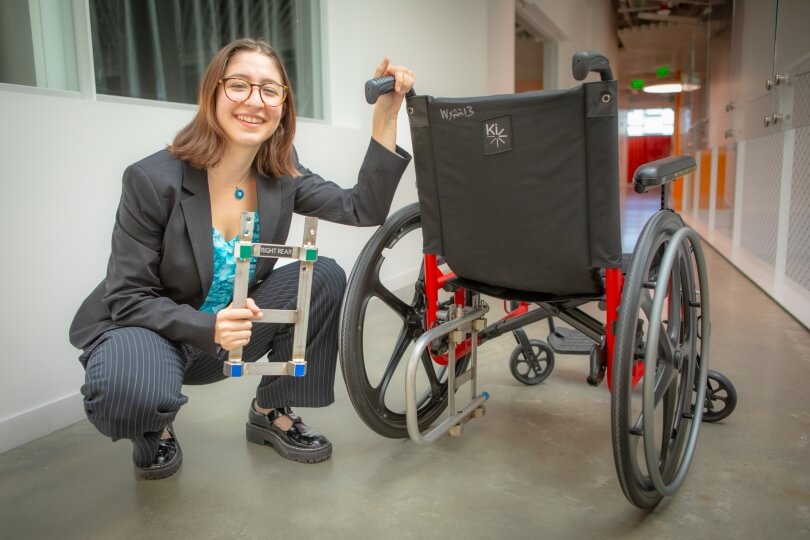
{"x": 161, "y": 318}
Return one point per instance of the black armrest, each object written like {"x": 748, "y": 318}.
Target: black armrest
{"x": 662, "y": 171}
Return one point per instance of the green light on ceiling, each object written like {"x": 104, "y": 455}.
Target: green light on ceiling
{"x": 662, "y": 71}
{"x": 637, "y": 84}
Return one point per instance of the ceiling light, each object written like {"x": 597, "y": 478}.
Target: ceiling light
{"x": 664, "y": 88}
{"x": 688, "y": 83}
{"x": 671, "y": 88}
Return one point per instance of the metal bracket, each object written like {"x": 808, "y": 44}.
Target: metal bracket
{"x": 461, "y": 322}
{"x": 307, "y": 254}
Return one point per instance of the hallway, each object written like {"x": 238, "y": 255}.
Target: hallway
{"x": 538, "y": 465}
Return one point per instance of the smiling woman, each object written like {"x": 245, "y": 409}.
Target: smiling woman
{"x": 163, "y": 315}
{"x": 249, "y": 122}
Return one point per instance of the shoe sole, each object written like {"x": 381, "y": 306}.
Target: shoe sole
{"x": 258, "y": 435}
{"x": 162, "y": 472}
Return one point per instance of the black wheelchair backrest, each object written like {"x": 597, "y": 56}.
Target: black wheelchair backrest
{"x": 521, "y": 191}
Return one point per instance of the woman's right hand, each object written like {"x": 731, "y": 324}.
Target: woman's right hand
{"x": 234, "y": 325}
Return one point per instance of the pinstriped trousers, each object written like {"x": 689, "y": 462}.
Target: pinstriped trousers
{"x": 134, "y": 376}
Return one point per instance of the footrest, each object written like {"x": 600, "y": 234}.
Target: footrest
{"x": 570, "y": 341}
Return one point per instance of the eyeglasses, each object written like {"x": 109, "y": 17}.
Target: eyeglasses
{"x": 239, "y": 90}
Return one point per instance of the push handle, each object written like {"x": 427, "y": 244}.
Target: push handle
{"x": 585, "y": 61}
{"x": 379, "y": 86}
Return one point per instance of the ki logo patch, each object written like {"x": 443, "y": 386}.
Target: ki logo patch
{"x": 497, "y": 134}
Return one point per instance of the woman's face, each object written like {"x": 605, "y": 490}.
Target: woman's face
{"x": 251, "y": 122}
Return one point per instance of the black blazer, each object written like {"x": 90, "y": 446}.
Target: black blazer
{"x": 161, "y": 264}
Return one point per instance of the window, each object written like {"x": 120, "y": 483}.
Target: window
{"x": 37, "y": 44}
{"x": 650, "y": 122}
{"x": 155, "y": 49}
{"x": 159, "y": 50}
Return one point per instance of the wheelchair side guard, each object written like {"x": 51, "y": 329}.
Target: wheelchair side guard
{"x": 660, "y": 172}
{"x": 307, "y": 254}
{"x": 461, "y": 322}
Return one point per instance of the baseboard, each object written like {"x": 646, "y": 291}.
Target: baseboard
{"x": 30, "y": 425}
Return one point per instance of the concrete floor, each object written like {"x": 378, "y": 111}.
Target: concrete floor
{"x": 538, "y": 465}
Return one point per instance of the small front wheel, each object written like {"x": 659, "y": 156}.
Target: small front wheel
{"x": 721, "y": 397}
{"x": 532, "y": 366}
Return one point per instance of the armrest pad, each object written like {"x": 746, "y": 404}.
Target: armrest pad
{"x": 662, "y": 171}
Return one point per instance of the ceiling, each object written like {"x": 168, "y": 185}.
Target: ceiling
{"x": 674, "y": 34}
{"x": 651, "y": 34}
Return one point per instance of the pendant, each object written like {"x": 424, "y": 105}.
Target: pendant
{"x": 239, "y": 194}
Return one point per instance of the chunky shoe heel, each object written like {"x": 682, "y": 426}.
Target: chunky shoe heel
{"x": 254, "y": 435}
{"x": 299, "y": 443}
{"x": 167, "y": 461}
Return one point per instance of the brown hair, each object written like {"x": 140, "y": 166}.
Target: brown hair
{"x": 202, "y": 142}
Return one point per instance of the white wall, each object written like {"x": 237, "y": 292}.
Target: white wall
{"x": 62, "y": 158}
{"x": 585, "y": 25}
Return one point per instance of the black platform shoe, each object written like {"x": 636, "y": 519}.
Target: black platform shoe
{"x": 299, "y": 443}
{"x": 167, "y": 461}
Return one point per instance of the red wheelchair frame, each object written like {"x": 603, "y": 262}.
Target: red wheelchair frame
{"x": 436, "y": 279}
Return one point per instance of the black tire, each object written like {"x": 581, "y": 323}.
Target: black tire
{"x": 535, "y": 370}
{"x": 675, "y": 370}
{"x": 370, "y": 399}
{"x": 721, "y": 397}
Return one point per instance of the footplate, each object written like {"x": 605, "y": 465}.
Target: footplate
{"x": 570, "y": 341}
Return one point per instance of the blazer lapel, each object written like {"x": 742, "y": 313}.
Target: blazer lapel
{"x": 268, "y": 192}
{"x": 197, "y": 213}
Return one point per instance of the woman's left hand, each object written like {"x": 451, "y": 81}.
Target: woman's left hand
{"x": 384, "y": 123}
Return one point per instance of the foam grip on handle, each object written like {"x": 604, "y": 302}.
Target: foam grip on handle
{"x": 377, "y": 87}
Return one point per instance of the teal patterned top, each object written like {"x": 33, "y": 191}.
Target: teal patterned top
{"x": 221, "y": 292}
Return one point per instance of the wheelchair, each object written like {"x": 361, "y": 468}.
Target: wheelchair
{"x": 519, "y": 200}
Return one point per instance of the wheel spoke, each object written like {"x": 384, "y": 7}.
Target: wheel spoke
{"x": 666, "y": 347}
{"x": 391, "y": 300}
{"x": 669, "y": 424}
{"x": 430, "y": 371}
{"x": 664, "y": 378}
{"x": 393, "y": 362}
{"x": 675, "y": 305}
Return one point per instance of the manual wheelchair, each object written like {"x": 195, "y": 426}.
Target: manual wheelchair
{"x": 519, "y": 200}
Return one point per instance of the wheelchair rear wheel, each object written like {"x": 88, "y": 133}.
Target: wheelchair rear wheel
{"x": 653, "y": 416}
{"x": 369, "y": 366}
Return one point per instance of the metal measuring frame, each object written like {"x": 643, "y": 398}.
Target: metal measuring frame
{"x": 307, "y": 254}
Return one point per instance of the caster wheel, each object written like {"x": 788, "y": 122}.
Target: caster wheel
{"x": 721, "y": 397}
{"x": 535, "y": 367}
